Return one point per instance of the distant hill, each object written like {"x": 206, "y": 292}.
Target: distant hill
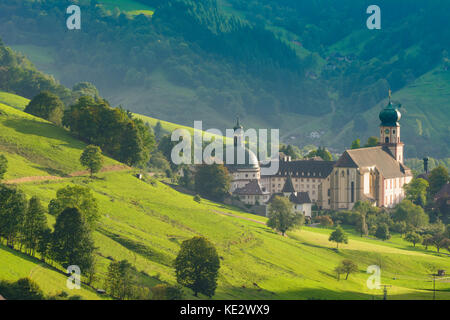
{"x": 301, "y": 66}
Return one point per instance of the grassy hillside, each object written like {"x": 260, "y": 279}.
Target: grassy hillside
{"x": 15, "y": 265}
{"x": 13, "y": 100}
{"x": 146, "y": 221}
{"x": 129, "y": 6}
{"x": 36, "y": 147}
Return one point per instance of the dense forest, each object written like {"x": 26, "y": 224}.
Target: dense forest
{"x": 264, "y": 60}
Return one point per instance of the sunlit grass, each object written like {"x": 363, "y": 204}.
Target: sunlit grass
{"x": 146, "y": 221}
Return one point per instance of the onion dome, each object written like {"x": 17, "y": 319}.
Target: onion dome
{"x": 390, "y": 116}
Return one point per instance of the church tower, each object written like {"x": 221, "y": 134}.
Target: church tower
{"x": 238, "y": 134}
{"x": 390, "y": 130}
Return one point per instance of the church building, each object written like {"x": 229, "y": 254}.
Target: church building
{"x": 375, "y": 174}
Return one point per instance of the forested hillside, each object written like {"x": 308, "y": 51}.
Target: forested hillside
{"x": 302, "y": 66}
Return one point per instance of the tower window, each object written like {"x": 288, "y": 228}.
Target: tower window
{"x": 393, "y": 131}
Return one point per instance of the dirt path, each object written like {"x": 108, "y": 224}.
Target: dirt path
{"x": 239, "y": 217}
{"x": 116, "y": 167}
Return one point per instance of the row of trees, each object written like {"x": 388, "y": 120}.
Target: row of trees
{"x": 371, "y": 142}
{"x": 93, "y": 120}
{"x": 406, "y": 218}
{"x": 423, "y": 192}
{"x": 24, "y": 223}
{"x": 309, "y": 151}
{"x": 114, "y": 130}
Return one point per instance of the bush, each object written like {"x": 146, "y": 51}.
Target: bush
{"x": 166, "y": 292}
{"x": 345, "y": 217}
{"x": 383, "y": 232}
{"x": 197, "y": 198}
{"x": 325, "y": 221}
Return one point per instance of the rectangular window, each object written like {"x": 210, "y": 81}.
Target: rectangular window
{"x": 353, "y": 191}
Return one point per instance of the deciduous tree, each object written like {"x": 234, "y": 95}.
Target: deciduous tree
{"x": 92, "y": 159}
{"x": 120, "y": 279}
{"x": 427, "y": 241}
{"x": 212, "y": 181}
{"x": 413, "y": 237}
{"x": 412, "y": 214}
{"x": 437, "y": 179}
{"x": 416, "y": 191}
{"x": 282, "y": 216}
{"x": 356, "y": 144}
{"x": 197, "y": 266}
{"x": 338, "y": 236}
{"x": 35, "y": 223}
{"x": 13, "y": 205}
{"x": 348, "y": 267}
{"x": 72, "y": 242}
{"x": 383, "y": 232}
{"x": 76, "y": 197}
{"x": 3, "y": 166}
{"x": 371, "y": 142}
{"x": 46, "y": 105}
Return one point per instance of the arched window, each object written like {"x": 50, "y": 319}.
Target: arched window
{"x": 386, "y": 140}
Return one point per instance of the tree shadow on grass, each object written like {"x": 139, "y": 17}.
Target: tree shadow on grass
{"x": 52, "y": 171}
{"x": 42, "y": 129}
{"x": 327, "y": 294}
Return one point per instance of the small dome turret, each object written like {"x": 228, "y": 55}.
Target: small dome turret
{"x": 238, "y": 125}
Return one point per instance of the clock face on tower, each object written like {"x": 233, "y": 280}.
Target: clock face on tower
{"x": 386, "y": 131}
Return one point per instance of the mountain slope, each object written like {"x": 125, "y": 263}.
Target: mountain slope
{"x": 303, "y": 67}
{"x": 146, "y": 221}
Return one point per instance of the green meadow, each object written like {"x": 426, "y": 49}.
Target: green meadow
{"x": 128, "y": 6}
{"x": 145, "y": 221}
